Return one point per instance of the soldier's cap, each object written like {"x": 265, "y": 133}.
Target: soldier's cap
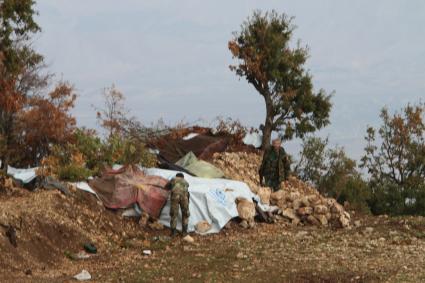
{"x": 180, "y": 175}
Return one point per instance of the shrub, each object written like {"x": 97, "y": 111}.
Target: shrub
{"x": 73, "y": 173}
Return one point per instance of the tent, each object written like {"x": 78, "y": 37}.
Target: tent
{"x": 198, "y": 167}
{"x": 211, "y": 200}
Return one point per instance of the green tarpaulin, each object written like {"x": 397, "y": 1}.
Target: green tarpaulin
{"x": 198, "y": 167}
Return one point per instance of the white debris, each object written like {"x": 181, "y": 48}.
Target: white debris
{"x": 84, "y": 275}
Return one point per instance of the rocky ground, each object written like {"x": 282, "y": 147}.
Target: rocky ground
{"x": 51, "y": 228}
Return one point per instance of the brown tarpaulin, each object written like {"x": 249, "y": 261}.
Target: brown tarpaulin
{"x": 121, "y": 188}
{"x": 203, "y": 146}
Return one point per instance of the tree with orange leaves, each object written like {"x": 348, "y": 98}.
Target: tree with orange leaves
{"x": 46, "y": 121}
{"x": 20, "y": 66}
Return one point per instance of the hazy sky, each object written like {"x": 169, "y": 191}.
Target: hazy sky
{"x": 170, "y": 58}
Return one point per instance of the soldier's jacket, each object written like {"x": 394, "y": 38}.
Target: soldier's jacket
{"x": 179, "y": 186}
{"x": 275, "y": 165}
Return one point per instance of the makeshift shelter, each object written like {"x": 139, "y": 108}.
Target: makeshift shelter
{"x": 128, "y": 185}
{"x": 198, "y": 167}
{"x": 211, "y": 200}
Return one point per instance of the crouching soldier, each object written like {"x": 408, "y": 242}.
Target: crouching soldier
{"x": 179, "y": 198}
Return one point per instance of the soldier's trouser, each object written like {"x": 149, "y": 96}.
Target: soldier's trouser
{"x": 272, "y": 182}
{"x": 181, "y": 200}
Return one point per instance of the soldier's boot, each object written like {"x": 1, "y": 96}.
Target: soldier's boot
{"x": 184, "y": 231}
{"x": 173, "y": 232}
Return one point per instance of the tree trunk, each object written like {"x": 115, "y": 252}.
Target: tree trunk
{"x": 268, "y": 124}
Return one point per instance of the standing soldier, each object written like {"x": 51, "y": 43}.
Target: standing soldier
{"x": 179, "y": 197}
{"x": 275, "y": 166}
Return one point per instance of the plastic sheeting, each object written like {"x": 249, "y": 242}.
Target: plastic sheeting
{"x": 254, "y": 139}
{"x": 198, "y": 167}
{"x": 212, "y": 200}
{"x": 128, "y": 185}
{"x": 23, "y": 175}
{"x": 190, "y": 136}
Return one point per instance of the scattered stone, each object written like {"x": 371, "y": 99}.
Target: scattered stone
{"x": 264, "y": 193}
{"x": 322, "y": 219}
{"x": 296, "y": 199}
{"x": 156, "y": 226}
{"x": 305, "y": 211}
{"x": 301, "y": 234}
{"x": 369, "y": 230}
{"x": 320, "y": 209}
{"x": 202, "y": 227}
{"x": 189, "y": 239}
{"x": 246, "y": 210}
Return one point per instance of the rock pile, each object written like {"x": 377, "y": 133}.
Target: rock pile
{"x": 298, "y": 201}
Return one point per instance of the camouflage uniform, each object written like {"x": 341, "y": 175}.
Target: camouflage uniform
{"x": 275, "y": 167}
{"x": 179, "y": 197}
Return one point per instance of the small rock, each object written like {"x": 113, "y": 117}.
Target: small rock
{"x": 189, "y": 239}
{"x": 244, "y": 224}
{"x": 322, "y": 219}
{"x": 369, "y": 230}
{"x": 320, "y": 209}
{"x": 357, "y": 223}
{"x": 301, "y": 234}
{"x": 203, "y": 227}
{"x": 305, "y": 210}
{"x": 156, "y": 226}
{"x": 313, "y": 220}
{"x": 240, "y": 255}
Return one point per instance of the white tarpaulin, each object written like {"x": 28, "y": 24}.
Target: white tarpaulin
{"x": 24, "y": 175}
{"x": 254, "y": 139}
{"x": 190, "y": 136}
{"x": 212, "y": 200}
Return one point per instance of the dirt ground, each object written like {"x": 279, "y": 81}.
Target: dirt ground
{"x": 51, "y": 227}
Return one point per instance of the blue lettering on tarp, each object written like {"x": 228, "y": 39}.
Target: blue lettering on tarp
{"x": 219, "y": 196}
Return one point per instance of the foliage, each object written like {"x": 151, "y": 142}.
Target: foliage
{"x": 65, "y": 163}
{"x": 312, "y": 164}
{"x": 332, "y": 173}
{"x": 73, "y": 173}
{"x": 128, "y": 151}
{"x": 46, "y": 121}
{"x": 396, "y": 161}
{"x": 115, "y": 150}
{"x": 276, "y": 70}
{"x": 20, "y": 68}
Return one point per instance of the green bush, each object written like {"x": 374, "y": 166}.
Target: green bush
{"x": 91, "y": 146}
{"x": 357, "y": 192}
{"x": 73, "y": 173}
{"x": 332, "y": 173}
{"x": 127, "y": 151}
